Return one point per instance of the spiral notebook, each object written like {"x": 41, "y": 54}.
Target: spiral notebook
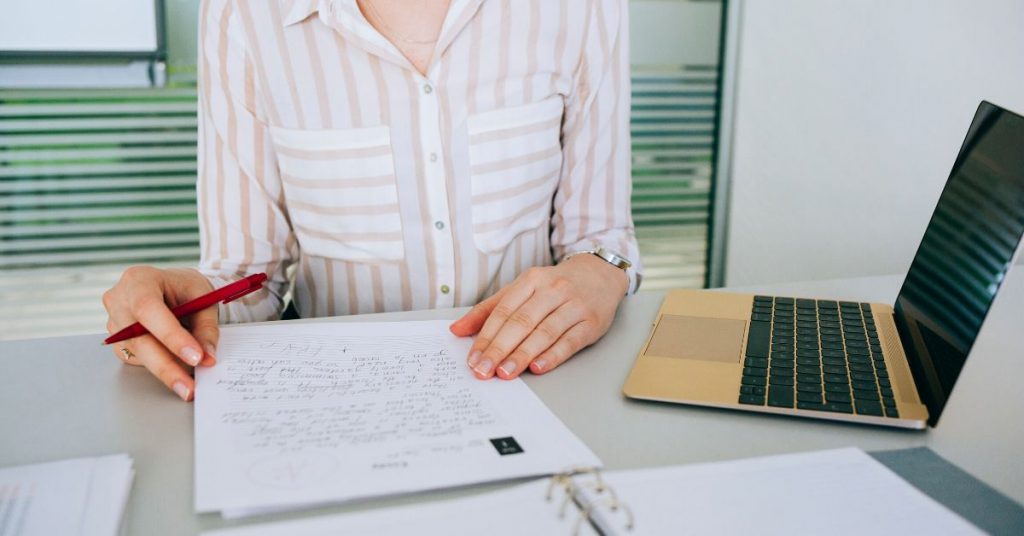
{"x": 841, "y": 491}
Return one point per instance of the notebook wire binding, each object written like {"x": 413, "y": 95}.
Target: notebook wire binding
{"x": 586, "y": 490}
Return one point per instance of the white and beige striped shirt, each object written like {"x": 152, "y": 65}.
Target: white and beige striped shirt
{"x": 326, "y": 157}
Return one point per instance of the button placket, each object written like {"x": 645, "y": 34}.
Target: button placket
{"x": 437, "y": 193}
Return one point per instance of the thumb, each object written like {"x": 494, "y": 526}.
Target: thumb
{"x": 472, "y": 321}
{"x": 206, "y": 330}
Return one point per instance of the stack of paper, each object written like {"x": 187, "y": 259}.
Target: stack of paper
{"x": 298, "y": 415}
{"x": 84, "y": 496}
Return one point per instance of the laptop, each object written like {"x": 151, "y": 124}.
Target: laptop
{"x": 872, "y": 363}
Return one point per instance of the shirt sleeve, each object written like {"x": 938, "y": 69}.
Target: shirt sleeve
{"x": 243, "y": 224}
{"x": 592, "y": 205}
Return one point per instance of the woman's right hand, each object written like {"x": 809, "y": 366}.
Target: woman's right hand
{"x": 146, "y": 294}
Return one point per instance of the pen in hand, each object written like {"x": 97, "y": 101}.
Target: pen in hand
{"x": 224, "y": 294}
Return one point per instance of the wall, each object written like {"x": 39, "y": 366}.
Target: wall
{"x": 848, "y": 116}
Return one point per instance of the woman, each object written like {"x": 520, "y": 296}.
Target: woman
{"x": 389, "y": 155}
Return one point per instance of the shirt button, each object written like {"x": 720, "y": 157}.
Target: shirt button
{"x": 428, "y": 89}
{"x": 439, "y": 224}
{"x": 445, "y": 289}
{"x": 433, "y": 157}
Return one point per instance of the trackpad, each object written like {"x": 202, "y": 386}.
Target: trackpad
{"x": 697, "y": 337}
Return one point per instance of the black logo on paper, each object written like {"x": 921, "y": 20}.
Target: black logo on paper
{"x": 506, "y": 446}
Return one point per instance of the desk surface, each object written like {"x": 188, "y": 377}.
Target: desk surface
{"x": 69, "y": 397}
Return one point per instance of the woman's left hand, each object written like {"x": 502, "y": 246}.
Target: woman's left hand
{"x": 543, "y": 317}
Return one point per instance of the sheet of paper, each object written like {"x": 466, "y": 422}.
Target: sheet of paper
{"x": 295, "y": 415}
{"x": 85, "y": 496}
{"x": 834, "y": 492}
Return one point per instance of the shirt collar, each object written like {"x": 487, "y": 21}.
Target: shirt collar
{"x": 299, "y": 10}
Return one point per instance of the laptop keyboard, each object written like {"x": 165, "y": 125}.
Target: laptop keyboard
{"x": 815, "y": 354}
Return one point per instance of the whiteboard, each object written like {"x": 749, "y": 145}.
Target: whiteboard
{"x": 78, "y": 26}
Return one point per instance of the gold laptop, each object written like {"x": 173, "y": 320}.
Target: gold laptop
{"x": 862, "y": 362}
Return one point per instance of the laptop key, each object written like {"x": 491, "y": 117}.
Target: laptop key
{"x": 754, "y": 371}
{"x": 808, "y": 388}
{"x": 836, "y": 396}
{"x": 753, "y": 400}
{"x": 780, "y": 397}
{"x": 865, "y": 407}
{"x": 758, "y": 337}
{"x": 833, "y": 369}
{"x": 884, "y": 382}
{"x": 892, "y": 412}
{"x": 889, "y": 402}
{"x": 809, "y": 369}
{"x": 813, "y": 361}
{"x": 781, "y": 380}
{"x": 865, "y": 395}
{"x": 764, "y": 299}
{"x": 838, "y": 379}
{"x": 759, "y": 362}
{"x": 805, "y": 404}
{"x": 860, "y": 367}
{"x": 839, "y": 407}
{"x": 814, "y": 398}
{"x": 754, "y": 380}
{"x": 836, "y": 388}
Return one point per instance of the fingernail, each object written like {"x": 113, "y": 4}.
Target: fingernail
{"x": 211, "y": 350}
{"x": 483, "y": 368}
{"x": 539, "y": 364}
{"x": 508, "y": 367}
{"x": 191, "y": 355}
{"x": 474, "y": 356}
{"x": 182, "y": 390}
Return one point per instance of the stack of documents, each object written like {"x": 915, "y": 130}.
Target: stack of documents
{"x": 84, "y": 496}
{"x": 300, "y": 415}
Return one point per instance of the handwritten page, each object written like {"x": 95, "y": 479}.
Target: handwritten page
{"x": 84, "y": 496}
{"x": 295, "y": 415}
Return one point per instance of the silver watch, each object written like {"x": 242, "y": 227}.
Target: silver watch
{"x": 611, "y": 257}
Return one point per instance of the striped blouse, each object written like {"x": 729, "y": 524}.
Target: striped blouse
{"x": 327, "y": 161}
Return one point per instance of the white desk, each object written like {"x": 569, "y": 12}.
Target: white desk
{"x": 68, "y": 397}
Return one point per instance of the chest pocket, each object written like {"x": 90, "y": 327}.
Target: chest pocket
{"x": 515, "y": 156}
{"x": 341, "y": 193}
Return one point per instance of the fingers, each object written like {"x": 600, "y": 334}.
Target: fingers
{"x": 507, "y": 346}
{"x": 472, "y": 321}
{"x": 162, "y": 364}
{"x": 207, "y": 332}
{"x": 540, "y": 339}
{"x": 515, "y": 295}
{"x": 149, "y": 309}
{"x": 577, "y": 338}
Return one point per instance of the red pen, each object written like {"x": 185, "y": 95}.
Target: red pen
{"x": 224, "y": 294}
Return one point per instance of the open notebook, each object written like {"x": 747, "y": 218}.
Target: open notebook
{"x": 833, "y": 492}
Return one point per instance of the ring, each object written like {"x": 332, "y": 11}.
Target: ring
{"x": 128, "y": 355}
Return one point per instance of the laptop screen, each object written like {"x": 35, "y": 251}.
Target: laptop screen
{"x": 964, "y": 255}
